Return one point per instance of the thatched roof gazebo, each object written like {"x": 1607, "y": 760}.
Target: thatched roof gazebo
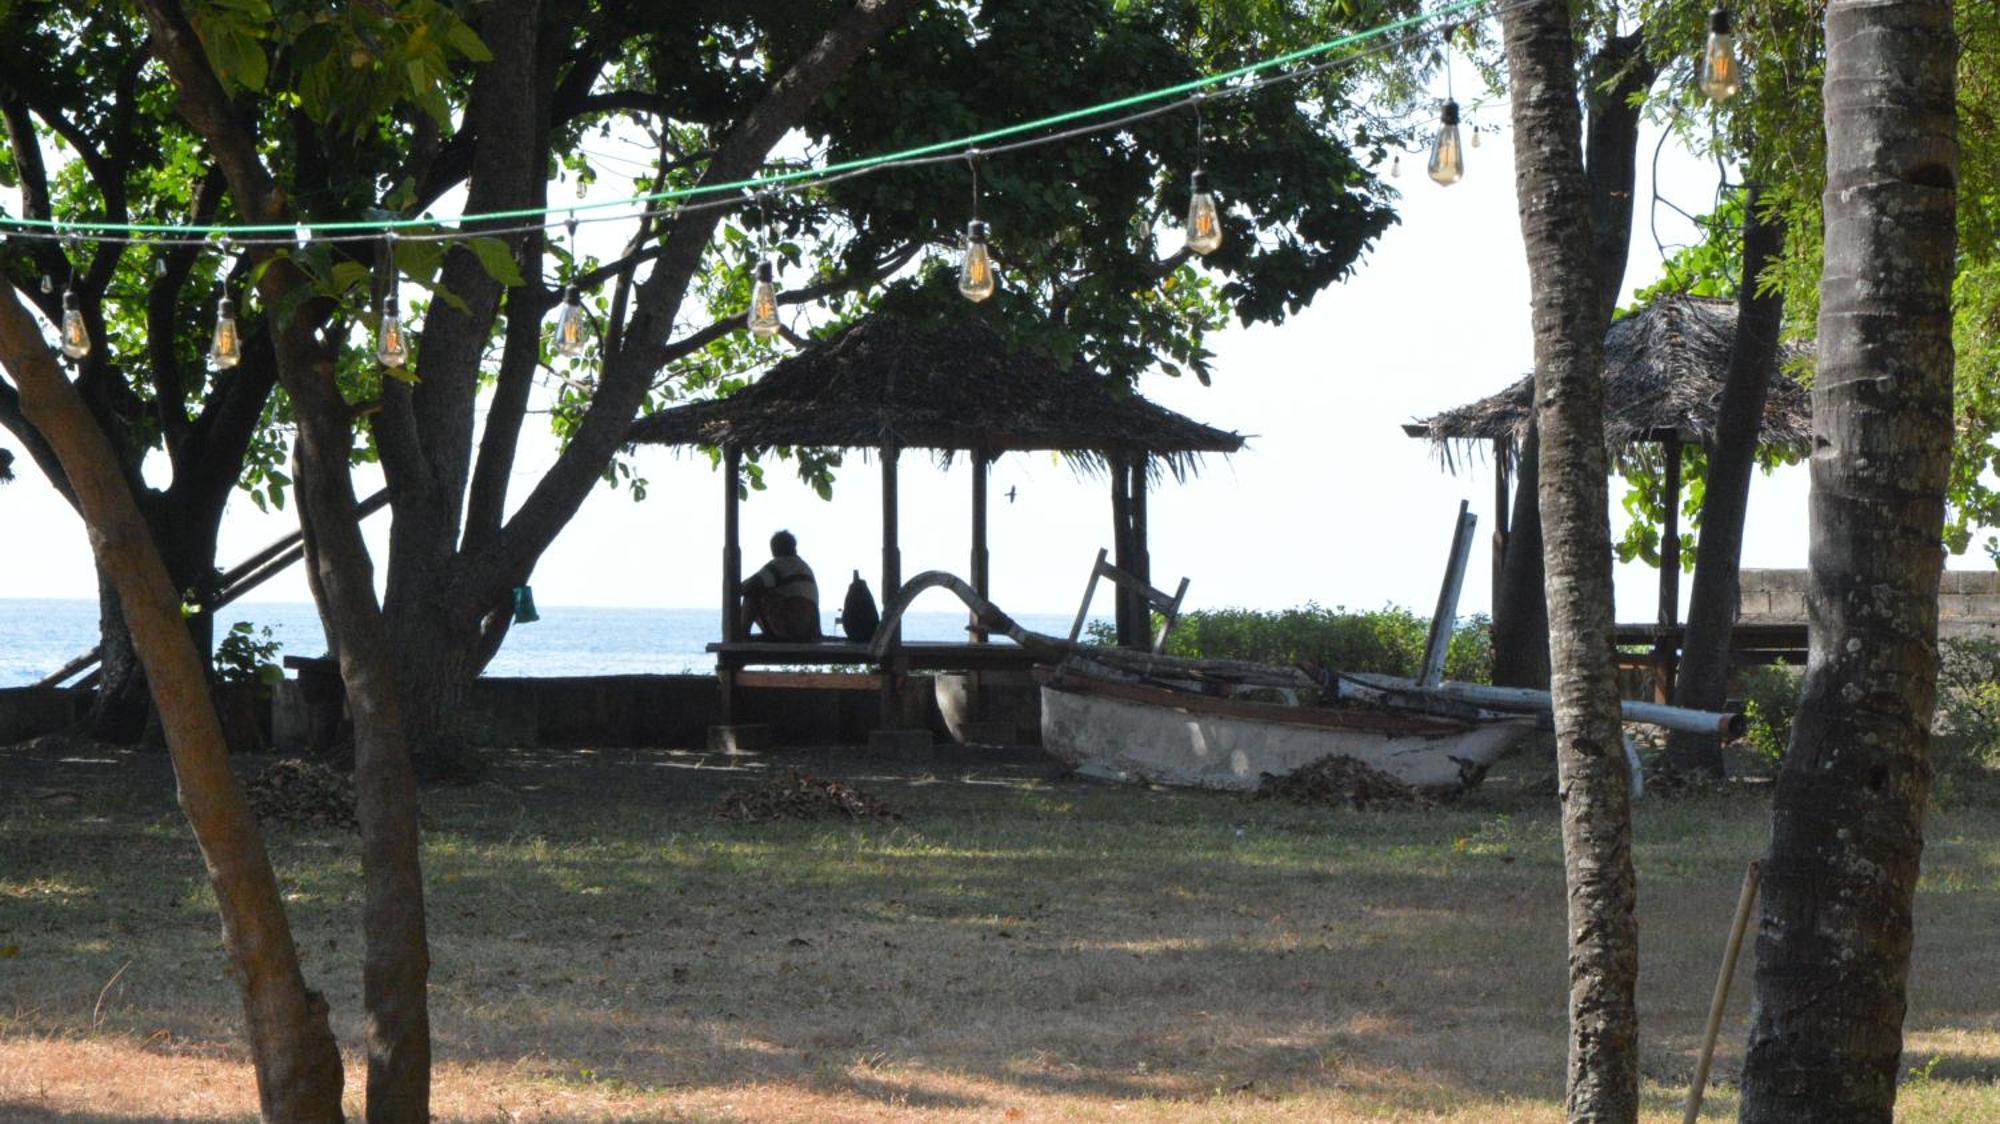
{"x": 889, "y": 383}
{"x": 1664, "y": 370}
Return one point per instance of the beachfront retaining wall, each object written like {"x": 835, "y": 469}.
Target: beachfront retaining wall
{"x": 1968, "y": 601}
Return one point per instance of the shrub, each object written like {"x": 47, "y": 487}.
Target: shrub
{"x": 1770, "y": 702}
{"x": 247, "y": 654}
{"x": 1967, "y": 724}
{"x": 1388, "y": 641}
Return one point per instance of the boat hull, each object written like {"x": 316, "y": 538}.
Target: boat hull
{"x": 1132, "y": 733}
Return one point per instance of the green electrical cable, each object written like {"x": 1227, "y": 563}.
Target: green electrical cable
{"x": 755, "y": 184}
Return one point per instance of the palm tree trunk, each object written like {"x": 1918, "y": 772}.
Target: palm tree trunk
{"x": 1833, "y": 945}
{"x": 1569, "y": 322}
{"x": 1703, "y": 682}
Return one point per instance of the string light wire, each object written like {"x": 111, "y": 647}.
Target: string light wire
{"x": 1378, "y": 40}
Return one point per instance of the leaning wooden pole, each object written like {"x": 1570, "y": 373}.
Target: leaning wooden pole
{"x": 1730, "y": 950}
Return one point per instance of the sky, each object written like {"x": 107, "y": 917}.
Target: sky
{"x": 1329, "y": 503}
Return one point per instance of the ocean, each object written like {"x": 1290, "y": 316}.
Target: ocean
{"x": 38, "y": 636}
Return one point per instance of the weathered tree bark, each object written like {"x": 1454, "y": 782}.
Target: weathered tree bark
{"x": 297, "y": 1063}
{"x": 1833, "y": 943}
{"x": 1616, "y": 72}
{"x": 1569, "y": 323}
{"x": 1703, "y": 681}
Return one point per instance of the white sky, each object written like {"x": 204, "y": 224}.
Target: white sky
{"x": 1330, "y": 502}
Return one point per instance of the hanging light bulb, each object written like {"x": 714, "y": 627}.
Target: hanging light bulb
{"x": 1395, "y": 167}
{"x": 226, "y": 349}
{"x": 1447, "y": 164}
{"x": 392, "y": 346}
{"x": 763, "y": 319}
{"x": 1720, "y": 75}
{"x": 975, "y": 273}
{"x": 1204, "y": 226}
{"x": 573, "y": 330}
{"x": 48, "y": 286}
{"x": 75, "y": 333}
{"x": 1475, "y": 137}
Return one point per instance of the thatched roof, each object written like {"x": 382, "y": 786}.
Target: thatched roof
{"x": 945, "y": 387}
{"x": 1664, "y": 368}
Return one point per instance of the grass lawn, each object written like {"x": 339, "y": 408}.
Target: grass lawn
{"x": 1015, "y": 948}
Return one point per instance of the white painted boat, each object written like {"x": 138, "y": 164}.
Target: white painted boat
{"x": 1141, "y": 732}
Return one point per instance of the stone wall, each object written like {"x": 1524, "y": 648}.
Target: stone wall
{"x": 1968, "y": 601}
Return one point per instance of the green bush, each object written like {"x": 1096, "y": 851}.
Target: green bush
{"x": 1388, "y": 641}
{"x": 1770, "y": 702}
{"x": 1967, "y": 725}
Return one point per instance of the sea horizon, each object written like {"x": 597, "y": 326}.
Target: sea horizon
{"x": 39, "y": 635}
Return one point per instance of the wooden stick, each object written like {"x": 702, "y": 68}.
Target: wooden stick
{"x": 1715, "y": 1005}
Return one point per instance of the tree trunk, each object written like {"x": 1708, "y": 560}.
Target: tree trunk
{"x": 296, "y": 1060}
{"x": 1703, "y": 682}
{"x": 396, "y": 960}
{"x": 1569, "y": 323}
{"x": 1617, "y": 71}
{"x": 1833, "y": 944}
{"x": 1521, "y": 605}
{"x": 184, "y": 531}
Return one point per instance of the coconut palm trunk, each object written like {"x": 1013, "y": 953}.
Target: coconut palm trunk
{"x": 1833, "y": 945}
{"x": 1569, "y": 322}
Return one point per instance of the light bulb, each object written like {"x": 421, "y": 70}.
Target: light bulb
{"x": 764, "y": 303}
{"x": 975, "y": 273}
{"x": 392, "y": 347}
{"x": 1447, "y": 165}
{"x": 1475, "y": 138}
{"x": 48, "y": 286}
{"x": 1720, "y": 75}
{"x": 1395, "y": 167}
{"x": 1204, "y": 226}
{"x": 226, "y": 350}
{"x": 75, "y": 333}
{"x": 573, "y": 330}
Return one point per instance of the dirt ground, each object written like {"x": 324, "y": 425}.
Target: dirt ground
{"x": 1017, "y": 946}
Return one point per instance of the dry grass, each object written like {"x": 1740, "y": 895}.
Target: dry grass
{"x": 1014, "y": 949}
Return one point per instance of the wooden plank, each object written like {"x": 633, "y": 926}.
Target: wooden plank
{"x": 809, "y": 680}
{"x": 1089, "y": 591}
{"x": 1438, "y": 644}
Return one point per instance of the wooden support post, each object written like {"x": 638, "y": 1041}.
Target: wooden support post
{"x": 892, "y": 582}
{"x": 1503, "y": 452}
{"x": 1142, "y": 555}
{"x": 981, "y": 575}
{"x": 733, "y": 625}
{"x": 1121, "y": 546}
{"x": 1667, "y": 652}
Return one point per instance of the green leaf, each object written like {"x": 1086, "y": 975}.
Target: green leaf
{"x": 466, "y": 41}
{"x": 497, "y": 258}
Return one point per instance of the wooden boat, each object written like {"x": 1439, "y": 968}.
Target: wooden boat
{"x": 1135, "y": 731}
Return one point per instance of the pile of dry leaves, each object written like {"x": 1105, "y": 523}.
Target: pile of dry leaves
{"x": 300, "y": 793}
{"x": 799, "y": 796}
{"x": 1334, "y": 781}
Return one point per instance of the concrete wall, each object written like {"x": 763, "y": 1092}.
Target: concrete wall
{"x": 30, "y": 712}
{"x": 1968, "y": 601}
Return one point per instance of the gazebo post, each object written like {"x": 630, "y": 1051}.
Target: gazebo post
{"x": 1667, "y": 650}
{"x": 981, "y": 576}
{"x": 1503, "y": 450}
{"x": 1142, "y": 553}
{"x": 1121, "y": 538}
{"x": 892, "y": 583}
{"x": 732, "y": 576}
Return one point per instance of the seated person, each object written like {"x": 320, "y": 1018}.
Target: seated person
{"x": 782, "y": 599}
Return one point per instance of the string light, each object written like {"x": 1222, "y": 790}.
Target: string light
{"x": 763, "y": 318}
{"x": 75, "y": 333}
{"x": 226, "y": 349}
{"x": 1447, "y": 164}
{"x": 1720, "y": 75}
{"x": 48, "y": 286}
{"x": 1396, "y": 167}
{"x": 392, "y": 345}
{"x": 573, "y": 327}
{"x": 975, "y": 269}
{"x": 1475, "y": 136}
{"x": 1204, "y": 226}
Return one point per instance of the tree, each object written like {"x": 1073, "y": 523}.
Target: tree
{"x": 148, "y": 307}
{"x": 297, "y": 1063}
{"x": 1570, "y": 317}
{"x": 1834, "y": 940}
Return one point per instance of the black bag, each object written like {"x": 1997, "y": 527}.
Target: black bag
{"x": 858, "y": 615}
